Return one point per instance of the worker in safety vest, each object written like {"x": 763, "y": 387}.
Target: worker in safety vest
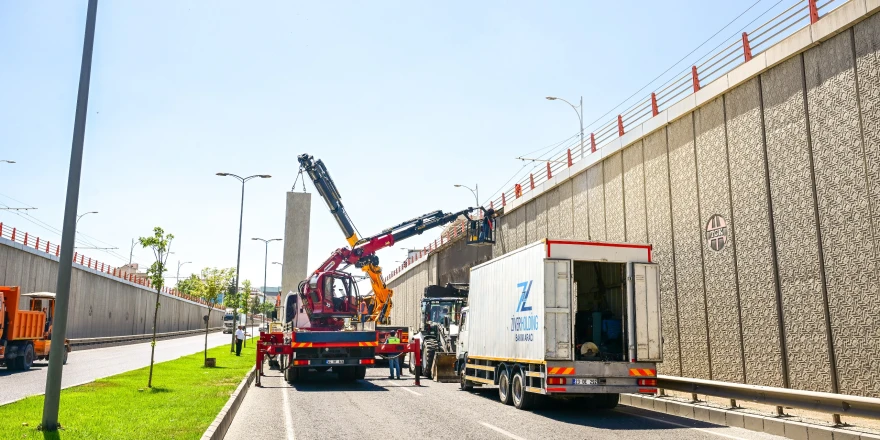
{"x": 394, "y": 362}
{"x": 362, "y": 310}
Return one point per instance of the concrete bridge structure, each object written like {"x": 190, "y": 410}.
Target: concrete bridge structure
{"x": 760, "y": 194}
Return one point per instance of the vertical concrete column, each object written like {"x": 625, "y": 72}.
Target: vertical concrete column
{"x": 296, "y": 242}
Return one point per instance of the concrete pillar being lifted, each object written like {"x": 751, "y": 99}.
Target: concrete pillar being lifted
{"x": 296, "y": 243}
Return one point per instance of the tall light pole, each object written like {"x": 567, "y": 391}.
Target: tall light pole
{"x": 179, "y": 264}
{"x": 580, "y": 112}
{"x": 475, "y": 192}
{"x": 243, "y": 180}
{"x": 6, "y": 161}
{"x": 83, "y": 215}
{"x": 68, "y": 233}
{"x": 266, "y": 261}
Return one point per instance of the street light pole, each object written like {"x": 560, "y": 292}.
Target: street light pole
{"x": 266, "y": 262}
{"x": 7, "y": 161}
{"x": 580, "y": 114}
{"x": 243, "y": 180}
{"x": 83, "y": 215}
{"x": 179, "y": 264}
{"x": 475, "y": 192}
{"x": 68, "y": 234}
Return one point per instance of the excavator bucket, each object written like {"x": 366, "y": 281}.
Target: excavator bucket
{"x": 443, "y": 369}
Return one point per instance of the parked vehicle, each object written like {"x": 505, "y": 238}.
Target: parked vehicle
{"x": 563, "y": 319}
{"x": 25, "y": 335}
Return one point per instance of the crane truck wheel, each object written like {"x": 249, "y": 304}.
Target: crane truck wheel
{"x": 26, "y": 359}
{"x": 504, "y": 386}
{"x": 360, "y": 372}
{"x": 521, "y": 398}
{"x": 428, "y": 361}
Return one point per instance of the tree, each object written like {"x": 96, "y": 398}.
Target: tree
{"x": 212, "y": 284}
{"x": 244, "y": 301}
{"x": 266, "y": 308}
{"x": 161, "y": 246}
{"x": 189, "y": 286}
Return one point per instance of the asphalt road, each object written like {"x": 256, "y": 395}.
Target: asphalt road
{"x": 378, "y": 408}
{"x": 87, "y": 365}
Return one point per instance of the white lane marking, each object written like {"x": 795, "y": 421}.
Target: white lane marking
{"x": 497, "y": 429}
{"x": 288, "y": 421}
{"x": 403, "y": 388}
{"x": 686, "y": 426}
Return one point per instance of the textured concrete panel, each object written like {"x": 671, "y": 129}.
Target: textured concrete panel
{"x": 845, "y": 219}
{"x": 687, "y": 236}
{"x": 867, "y": 45}
{"x": 554, "y": 213}
{"x": 296, "y": 241}
{"x": 596, "y": 190}
{"x": 634, "y": 194}
{"x": 519, "y": 219}
{"x": 754, "y": 255}
{"x": 615, "y": 222}
{"x": 797, "y": 246}
{"x": 659, "y": 227}
{"x": 531, "y": 222}
{"x": 580, "y": 201}
{"x": 722, "y": 293}
{"x": 541, "y": 217}
{"x": 566, "y": 228}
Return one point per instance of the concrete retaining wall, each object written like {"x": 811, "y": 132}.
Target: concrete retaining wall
{"x": 789, "y": 159}
{"x": 100, "y": 305}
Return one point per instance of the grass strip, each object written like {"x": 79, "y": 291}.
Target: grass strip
{"x": 184, "y": 400}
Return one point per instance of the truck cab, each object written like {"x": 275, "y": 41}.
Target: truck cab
{"x": 25, "y": 334}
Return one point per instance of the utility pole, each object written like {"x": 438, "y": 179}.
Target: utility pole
{"x": 68, "y": 234}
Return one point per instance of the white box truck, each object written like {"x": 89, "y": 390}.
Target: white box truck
{"x": 565, "y": 319}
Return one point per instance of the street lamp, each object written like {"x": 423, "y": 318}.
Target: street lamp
{"x": 179, "y": 264}
{"x": 280, "y": 264}
{"x": 243, "y": 180}
{"x": 475, "y": 192}
{"x": 580, "y": 112}
{"x": 83, "y": 215}
{"x": 6, "y": 161}
{"x": 266, "y": 261}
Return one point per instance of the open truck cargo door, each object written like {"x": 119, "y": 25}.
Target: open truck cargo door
{"x": 646, "y": 338}
{"x": 557, "y": 309}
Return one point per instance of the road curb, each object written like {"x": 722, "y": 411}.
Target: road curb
{"x": 781, "y": 426}
{"x": 114, "y": 341}
{"x": 217, "y": 429}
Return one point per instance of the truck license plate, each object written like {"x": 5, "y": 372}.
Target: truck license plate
{"x": 336, "y": 361}
{"x": 586, "y": 381}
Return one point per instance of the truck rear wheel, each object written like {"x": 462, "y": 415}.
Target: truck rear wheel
{"x": 522, "y": 399}
{"x": 504, "y": 386}
{"x": 465, "y": 384}
{"x": 346, "y": 374}
{"x": 360, "y": 372}
{"x": 606, "y": 401}
{"x": 26, "y": 359}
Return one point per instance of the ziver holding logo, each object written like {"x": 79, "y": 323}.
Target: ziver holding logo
{"x": 521, "y": 324}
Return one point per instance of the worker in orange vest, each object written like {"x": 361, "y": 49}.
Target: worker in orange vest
{"x": 362, "y": 309}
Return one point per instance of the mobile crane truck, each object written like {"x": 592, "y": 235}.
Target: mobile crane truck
{"x": 563, "y": 319}
{"x": 322, "y": 329}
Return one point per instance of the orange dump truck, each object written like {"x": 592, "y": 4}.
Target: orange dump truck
{"x": 25, "y": 334}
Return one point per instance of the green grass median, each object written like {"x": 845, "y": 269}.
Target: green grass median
{"x": 184, "y": 400}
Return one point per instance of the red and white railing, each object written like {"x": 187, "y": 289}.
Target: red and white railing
{"x": 35, "y": 242}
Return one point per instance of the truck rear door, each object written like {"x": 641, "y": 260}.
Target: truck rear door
{"x": 557, "y": 309}
{"x": 646, "y": 342}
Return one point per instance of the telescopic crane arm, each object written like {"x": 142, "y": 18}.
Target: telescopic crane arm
{"x": 362, "y": 252}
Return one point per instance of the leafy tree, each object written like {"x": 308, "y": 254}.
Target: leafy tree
{"x": 267, "y": 309}
{"x": 244, "y": 301}
{"x": 189, "y": 286}
{"x": 212, "y": 284}
{"x": 160, "y": 244}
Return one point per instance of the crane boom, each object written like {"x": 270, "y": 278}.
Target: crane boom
{"x": 362, "y": 251}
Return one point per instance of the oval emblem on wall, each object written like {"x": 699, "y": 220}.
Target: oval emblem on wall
{"x": 716, "y": 233}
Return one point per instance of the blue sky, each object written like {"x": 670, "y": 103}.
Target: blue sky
{"x": 400, "y": 99}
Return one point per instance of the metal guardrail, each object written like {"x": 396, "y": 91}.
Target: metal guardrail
{"x": 79, "y": 342}
{"x": 809, "y": 400}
